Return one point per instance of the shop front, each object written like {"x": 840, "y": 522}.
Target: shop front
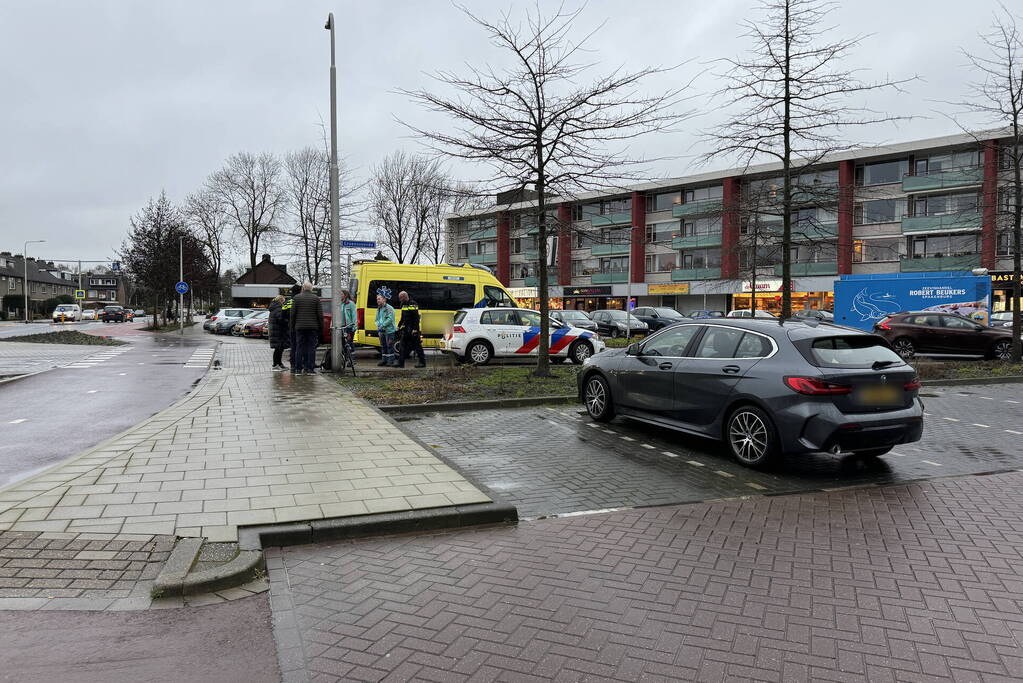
{"x": 592, "y": 298}
{"x": 769, "y": 297}
{"x": 1001, "y": 290}
{"x": 528, "y": 297}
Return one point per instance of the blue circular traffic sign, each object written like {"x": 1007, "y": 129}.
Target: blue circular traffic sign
{"x": 181, "y": 288}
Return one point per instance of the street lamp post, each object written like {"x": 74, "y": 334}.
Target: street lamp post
{"x": 335, "y": 230}
{"x": 24, "y": 284}
{"x": 181, "y": 278}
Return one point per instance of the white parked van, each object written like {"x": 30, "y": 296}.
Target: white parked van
{"x": 67, "y": 313}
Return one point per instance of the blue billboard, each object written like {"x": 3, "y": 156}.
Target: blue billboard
{"x": 862, "y": 300}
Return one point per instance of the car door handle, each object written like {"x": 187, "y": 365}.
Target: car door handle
{"x": 665, "y": 366}
{"x": 731, "y": 369}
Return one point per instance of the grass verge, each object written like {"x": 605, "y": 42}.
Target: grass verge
{"x": 968, "y": 369}
{"x": 463, "y": 383}
{"x": 171, "y": 327}
{"x": 64, "y": 337}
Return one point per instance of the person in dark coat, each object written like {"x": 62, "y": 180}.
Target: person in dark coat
{"x": 307, "y": 319}
{"x": 295, "y": 291}
{"x": 409, "y": 332}
{"x": 280, "y": 331}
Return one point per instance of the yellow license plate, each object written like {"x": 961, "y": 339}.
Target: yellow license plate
{"x": 879, "y": 395}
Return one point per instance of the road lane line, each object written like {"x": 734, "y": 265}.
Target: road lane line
{"x": 1013, "y": 431}
{"x": 646, "y": 445}
{"x": 977, "y": 424}
{"x": 758, "y": 487}
{"x": 950, "y": 419}
{"x": 1009, "y": 401}
{"x": 931, "y": 462}
{"x": 724, "y": 474}
{"x": 18, "y": 421}
{"x": 92, "y": 391}
{"x": 625, "y": 438}
{"x": 670, "y": 454}
{"x": 986, "y": 398}
{"x": 695, "y": 463}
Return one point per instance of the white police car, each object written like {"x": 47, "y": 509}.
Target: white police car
{"x": 479, "y": 334}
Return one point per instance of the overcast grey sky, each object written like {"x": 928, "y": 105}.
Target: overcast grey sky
{"x": 107, "y": 103}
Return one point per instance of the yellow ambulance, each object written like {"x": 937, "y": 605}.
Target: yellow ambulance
{"x": 439, "y": 290}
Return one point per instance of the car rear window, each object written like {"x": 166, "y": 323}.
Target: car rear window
{"x": 460, "y": 316}
{"x": 861, "y": 351}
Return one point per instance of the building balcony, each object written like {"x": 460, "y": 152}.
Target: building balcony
{"x": 801, "y": 230}
{"x": 531, "y": 255}
{"x": 929, "y": 263}
{"x": 944, "y": 180}
{"x": 623, "y": 218}
{"x": 485, "y": 234}
{"x": 965, "y": 220}
{"x": 809, "y": 269}
{"x": 532, "y": 281}
{"x": 609, "y": 250}
{"x": 683, "y": 274}
{"x": 697, "y": 208}
{"x": 696, "y": 241}
{"x": 483, "y": 259}
{"x": 609, "y": 278}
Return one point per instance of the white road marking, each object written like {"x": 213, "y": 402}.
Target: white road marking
{"x": 898, "y": 455}
{"x": 1008, "y": 401}
{"x": 724, "y": 474}
{"x": 92, "y": 391}
{"x": 950, "y": 419}
{"x": 122, "y": 374}
{"x": 646, "y": 445}
{"x": 670, "y": 454}
{"x": 931, "y": 462}
{"x": 986, "y": 398}
{"x": 1013, "y": 431}
{"x": 758, "y": 487}
{"x": 977, "y": 424}
{"x": 625, "y": 438}
{"x": 607, "y": 431}
{"x": 18, "y": 421}
{"x": 695, "y": 463}
{"x": 591, "y": 424}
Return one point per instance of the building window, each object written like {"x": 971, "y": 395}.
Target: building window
{"x": 817, "y": 252}
{"x": 524, "y": 270}
{"x": 583, "y": 240}
{"x": 946, "y": 162}
{"x": 616, "y": 206}
{"x": 701, "y": 194}
{"x": 944, "y": 204}
{"x": 766, "y": 255}
{"x": 701, "y": 226}
{"x": 876, "y": 251}
{"x": 661, "y": 263}
{"x": 463, "y": 250}
{"x": 882, "y": 172}
{"x": 486, "y": 247}
{"x": 665, "y": 201}
{"x": 92, "y": 294}
{"x": 879, "y": 211}
{"x": 1004, "y": 247}
{"x": 658, "y": 233}
{"x": 10, "y": 285}
{"x": 701, "y": 258}
{"x": 944, "y": 245}
{"x": 614, "y": 264}
{"x": 585, "y": 267}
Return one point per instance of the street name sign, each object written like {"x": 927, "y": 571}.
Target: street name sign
{"x": 358, "y": 244}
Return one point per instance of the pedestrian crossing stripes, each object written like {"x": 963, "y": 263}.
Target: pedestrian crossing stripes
{"x": 100, "y": 357}
{"x": 201, "y": 358}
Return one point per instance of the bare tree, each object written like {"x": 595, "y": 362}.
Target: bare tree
{"x": 406, "y": 193}
{"x": 307, "y": 186}
{"x": 249, "y": 188}
{"x": 788, "y": 101}
{"x": 538, "y": 125}
{"x": 208, "y": 220}
{"x": 997, "y": 95}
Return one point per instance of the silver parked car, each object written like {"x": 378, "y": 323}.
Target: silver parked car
{"x": 765, "y": 389}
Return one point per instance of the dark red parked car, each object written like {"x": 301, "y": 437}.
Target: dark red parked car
{"x": 930, "y": 332}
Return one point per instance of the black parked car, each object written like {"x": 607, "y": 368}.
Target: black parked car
{"x": 1001, "y": 319}
{"x": 930, "y": 332}
{"x": 814, "y": 314}
{"x": 764, "y": 388}
{"x": 614, "y": 323}
{"x": 575, "y": 318}
{"x": 657, "y": 317}
{"x": 113, "y": 314}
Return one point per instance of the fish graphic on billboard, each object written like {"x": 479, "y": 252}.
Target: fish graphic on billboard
{"x": 874, "y": 305}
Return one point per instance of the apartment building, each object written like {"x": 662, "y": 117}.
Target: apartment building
{"x": 706, "y": 241}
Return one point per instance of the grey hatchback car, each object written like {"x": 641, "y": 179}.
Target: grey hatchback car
{"x": 762, "y": 387}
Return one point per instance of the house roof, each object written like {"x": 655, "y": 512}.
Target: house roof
{"x": 38, "y": 271}
{"x": 266, "y": 272}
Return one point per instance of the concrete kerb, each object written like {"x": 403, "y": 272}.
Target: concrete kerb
{"x": 490, "y": 404}
{"x": 15, "y": 378}
{"x": 975, "y": 380}
{"x": 256, "y": 538}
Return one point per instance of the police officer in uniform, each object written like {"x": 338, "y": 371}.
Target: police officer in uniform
{"x": 295, "y": 289}
{"x": 409, "y": 331}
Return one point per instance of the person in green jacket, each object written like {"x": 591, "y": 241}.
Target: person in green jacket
{"x": 349, "y": 321}
{"x": 386, "y": 328}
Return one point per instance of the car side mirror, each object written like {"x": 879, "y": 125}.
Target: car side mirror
{"x": 633, "y": 350}
{"x": 978, "y": 328}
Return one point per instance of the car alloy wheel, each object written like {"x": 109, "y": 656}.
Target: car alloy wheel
{"x": 905, "y": 348}
{"x": 597, "y": 397}
{"x": 1003, "y": 350}
{"x": 479, "y": 353}
{"x": 750, "y": 437}
{"x": 580, "y": 352}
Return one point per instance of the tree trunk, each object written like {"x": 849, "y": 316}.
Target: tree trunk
{"x": 786, "y": 238}
{"x": 543, "y": 361}
{"x": 1017, "y": 239}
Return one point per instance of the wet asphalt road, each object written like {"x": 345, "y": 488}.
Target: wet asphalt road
{"x": 16, "y": 329}
{"x": 60, "y": 413}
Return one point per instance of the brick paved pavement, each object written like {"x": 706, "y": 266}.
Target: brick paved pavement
{"x": 247, "y": 447}
{"x": 587, "y": 466}
{"x": 23, "y": 357}
{"x": 916, "y": 582}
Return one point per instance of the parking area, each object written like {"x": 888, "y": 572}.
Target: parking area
{"x": 554, "y": 460}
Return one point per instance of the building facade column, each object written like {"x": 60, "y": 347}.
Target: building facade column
{"x": 846, "y": 194}
{"x": 731, "y": 198}
{"x": 564, "y": 244}
{"x": 989, "y": 217}
{"x": 638, "y": 250}
{"x": 504, "y": 247}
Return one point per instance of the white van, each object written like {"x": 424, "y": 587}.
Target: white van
{"x": 67, "y": 312}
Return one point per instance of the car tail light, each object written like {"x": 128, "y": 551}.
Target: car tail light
{"x": 883, "y": 325}
{"x": 913, "y": 384}
{"x": 458, "y": 329}
{"x": 811, "y": 386}
{"x": 212, "y": 318}
{"x": 360, "y": 318}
